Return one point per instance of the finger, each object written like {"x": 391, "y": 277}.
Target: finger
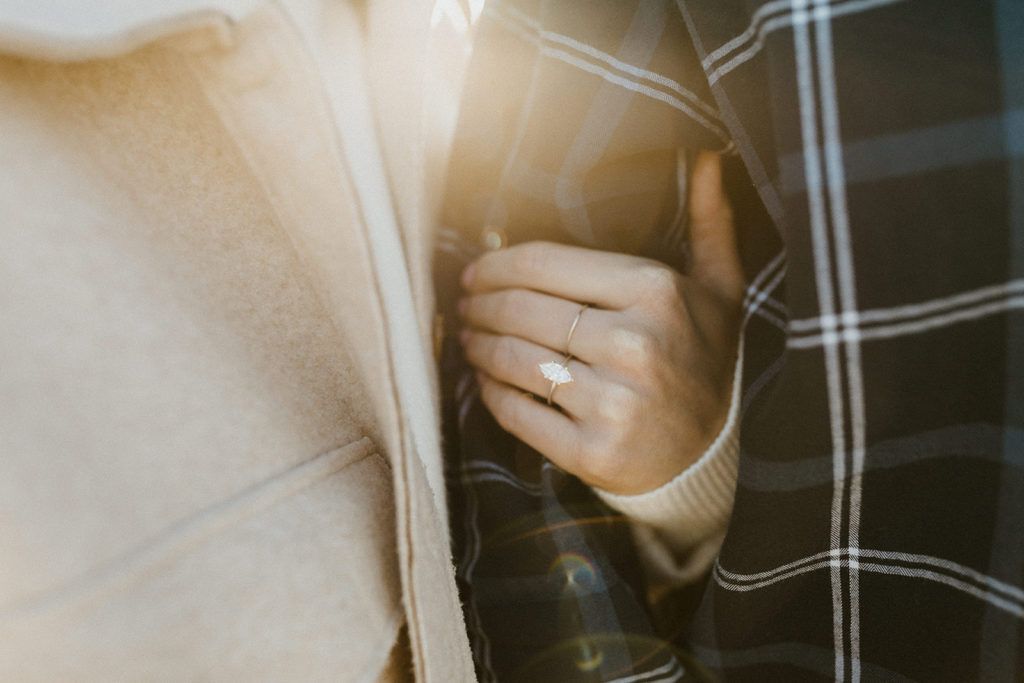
{"x": 607, "y": 280}
{"x": 547, "y": 431}
{"x": 517, "y": 362}
{"x": 540, "y": 318}
{"x": 716, "y": 260}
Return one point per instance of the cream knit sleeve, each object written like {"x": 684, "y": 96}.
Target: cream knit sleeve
{"x": 679, "y": 526}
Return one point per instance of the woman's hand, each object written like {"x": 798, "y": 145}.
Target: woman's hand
{"x": 653, "y": 355}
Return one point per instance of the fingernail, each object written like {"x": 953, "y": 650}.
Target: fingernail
{"x": 467, "y": 274}
{"x": 480, "y": 377}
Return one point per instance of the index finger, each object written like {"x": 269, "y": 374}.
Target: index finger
{"x": 604, "y": 279}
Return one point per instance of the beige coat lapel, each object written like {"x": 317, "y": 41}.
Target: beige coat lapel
{"x": 373, "y": 261}
{"x": 418, "y": 53}
{"x": 305, "y": 111}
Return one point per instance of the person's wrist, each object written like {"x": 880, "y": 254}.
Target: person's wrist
{"x": 697, "y": 502}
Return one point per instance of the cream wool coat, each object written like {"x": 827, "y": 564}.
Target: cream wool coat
{"x": 218, "y": 432}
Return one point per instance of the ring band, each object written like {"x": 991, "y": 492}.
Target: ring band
{"x": 572, "y": 330}
{"x": 557, "y": 373}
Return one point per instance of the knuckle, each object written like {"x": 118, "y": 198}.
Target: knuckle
{"x": 619, "y": 408}
{"x": 661, "y": 283}
{"x": 626, "y": 341}
{"x": 635, "y": 348}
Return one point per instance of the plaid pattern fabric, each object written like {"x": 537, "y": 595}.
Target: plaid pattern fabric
{"x": 574, "y": 128}
{"x": 878, "y": 529}
{"x": 551, "y": 585}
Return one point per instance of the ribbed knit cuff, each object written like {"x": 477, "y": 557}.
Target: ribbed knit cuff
{"x": 689, "y": 513}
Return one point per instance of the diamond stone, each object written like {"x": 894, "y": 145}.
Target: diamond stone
{"x": 556, "y": 372}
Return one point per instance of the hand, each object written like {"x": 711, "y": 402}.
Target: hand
{"x": 653, "y": 356}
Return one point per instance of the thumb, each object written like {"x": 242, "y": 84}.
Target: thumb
{"x": 715, "y": 257}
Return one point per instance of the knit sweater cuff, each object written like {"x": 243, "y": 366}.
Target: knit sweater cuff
{"x": 688, "y": 514}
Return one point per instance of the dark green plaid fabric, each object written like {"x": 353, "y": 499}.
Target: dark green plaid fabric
{"x": 878, "y": 530}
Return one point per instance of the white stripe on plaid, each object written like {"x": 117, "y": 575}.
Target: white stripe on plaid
{"x": 668, "y": 673}
{"x": 773, "y": 303}
{"x": 631, "y": 69}
{"x": 918, "y": 327}
{"x": 770, "y": 317}
{"x": 760, "y": 27}
{"x": 911, "y": 318}
{"x": 836, "y": 179}
{"x": 476, "y": 471}
{"x": 823, "y": 278}
{"x": 758, "y": 295}
{"x": 754, "y": 30}
{"x": 910, "y": 311}
{"x": 604, "y": 73}
{"x": 757, "y": 290}
{"x": 1007, "y": 597}
{"x": 921, "y": 326}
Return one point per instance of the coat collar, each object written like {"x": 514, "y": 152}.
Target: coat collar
{"x": 73, "y": 30}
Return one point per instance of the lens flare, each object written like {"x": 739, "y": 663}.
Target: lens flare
{"x": 590, "y": 657}
{"x": 575, "y": 572}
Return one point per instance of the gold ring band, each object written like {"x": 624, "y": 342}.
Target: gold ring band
{"x": 572, "y": 330}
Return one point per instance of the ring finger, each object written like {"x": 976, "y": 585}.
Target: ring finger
{"x": 540, "y": 318}
{"x": 517, "y": 362}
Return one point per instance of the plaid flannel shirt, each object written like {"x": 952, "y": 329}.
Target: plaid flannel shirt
{"x": 575, "y": 128}
{"x": 878, "y": 529}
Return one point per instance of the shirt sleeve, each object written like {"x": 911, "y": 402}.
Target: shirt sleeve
{"x": 679, "y": 527}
